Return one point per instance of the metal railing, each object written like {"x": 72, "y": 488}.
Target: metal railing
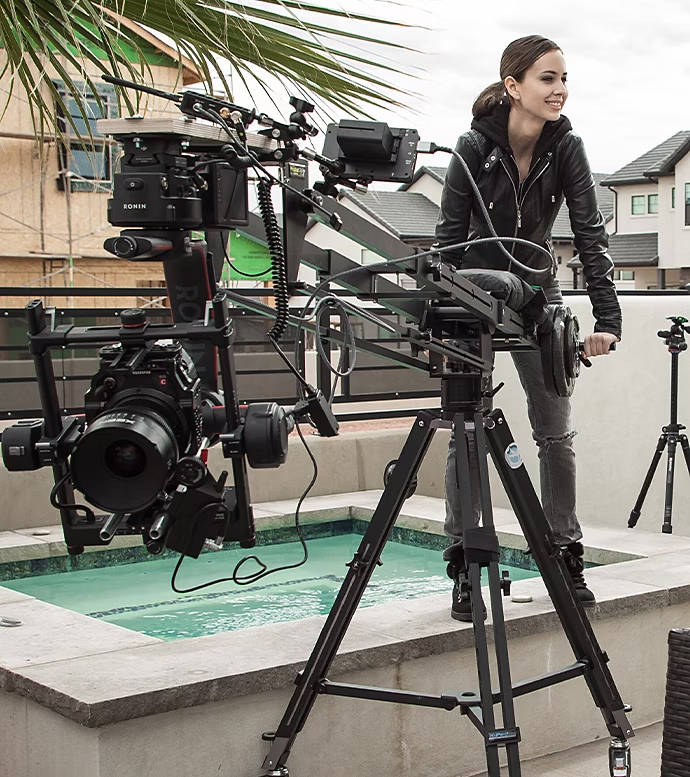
{"x": 261, "y": 374}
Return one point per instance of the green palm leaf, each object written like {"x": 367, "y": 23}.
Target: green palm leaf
{"x": 275, "y": 37}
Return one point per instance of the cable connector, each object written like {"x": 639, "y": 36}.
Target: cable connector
{"x": 318, "y": 409}
{"x": 427, "y": 147}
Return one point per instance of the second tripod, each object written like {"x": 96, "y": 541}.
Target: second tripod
{"x": 672, "y": 434}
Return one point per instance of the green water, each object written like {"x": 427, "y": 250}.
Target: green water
{"x": 139, "y": 596}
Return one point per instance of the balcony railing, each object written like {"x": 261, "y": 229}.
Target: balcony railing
{"x": 261, "y": 374}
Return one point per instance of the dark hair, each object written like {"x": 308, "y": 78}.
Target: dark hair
{"x": 516, "y": 60}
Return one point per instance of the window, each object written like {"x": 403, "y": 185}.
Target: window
{"x": 673, "y": 196}
{"x": 652, "y": 203}
{"x": 88, "y": 167}
{"x": 624, "y": 275}
{"x": 638, "y": 205}
{"x": 687, "y": 204}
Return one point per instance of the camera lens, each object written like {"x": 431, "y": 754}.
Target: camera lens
{"x": 124, "y": 459}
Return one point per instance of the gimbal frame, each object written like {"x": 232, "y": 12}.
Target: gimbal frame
{"x": 59, "y": 431}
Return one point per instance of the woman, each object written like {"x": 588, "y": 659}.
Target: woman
{"x": 525, "y": 159}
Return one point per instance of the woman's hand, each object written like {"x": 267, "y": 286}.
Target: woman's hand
{"x": 599, "y": 343}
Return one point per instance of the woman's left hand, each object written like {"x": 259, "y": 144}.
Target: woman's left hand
{"x": 599, "y": 344}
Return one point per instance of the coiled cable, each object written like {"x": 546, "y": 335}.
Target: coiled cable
{"x": 278, "y": 263}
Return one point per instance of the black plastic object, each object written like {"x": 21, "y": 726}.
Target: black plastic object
{"x": 675, "y": 746}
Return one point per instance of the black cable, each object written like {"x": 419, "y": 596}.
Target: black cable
{"x": 411, "y": 257}
{"x": 278, "y": 262}
{"x": 264, "y": 571}
{"x": 245, "y": 274}
{"x": 217, "y": 506}
{"x": 539, "y": 275}
{"x": 348, "y": 344}
{"x": 287, "y": 361}
{"x": 254, "y": 162}
{"x": 60, "y": 506}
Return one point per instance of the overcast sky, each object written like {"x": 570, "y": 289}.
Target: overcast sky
{"x": 628, "y": 66}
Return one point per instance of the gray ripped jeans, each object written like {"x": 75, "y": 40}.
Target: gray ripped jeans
{"x": 550, "y": 420}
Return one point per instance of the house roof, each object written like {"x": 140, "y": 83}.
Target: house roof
{"x": 607, "y": 205}
{"x": 637, "y": 250}
{"x": 438, "y": 173}
{"x": 189, "y": 71}
{"x": 661, "y": 160}
{"x": 407, "y": 215}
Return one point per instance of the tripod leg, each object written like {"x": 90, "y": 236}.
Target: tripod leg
{"x": 635, "y": 513}
{"x": 466, "y": 441}
{"x": 667, "y": 527}
{"x": 545, "y": 552}
{"x": 686, "y": 449}
{"x": 500, "y": 640}
{"x": 360, "y": 570}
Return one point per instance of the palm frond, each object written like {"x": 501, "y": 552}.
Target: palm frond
{"x": 292, "y": 40}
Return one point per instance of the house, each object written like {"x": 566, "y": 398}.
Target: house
{"x": 651, "y": 240}
{"x": 53, "y": 199}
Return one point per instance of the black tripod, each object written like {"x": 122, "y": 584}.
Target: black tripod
{"x": 477, "y": 433}
{"x": 671, "y": 435}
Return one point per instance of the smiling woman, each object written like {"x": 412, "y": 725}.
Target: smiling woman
{"x": 525, "y": 159}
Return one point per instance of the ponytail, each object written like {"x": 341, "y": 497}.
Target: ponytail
{"x": 486, "y": 102}
{"x": 516, "y": 60}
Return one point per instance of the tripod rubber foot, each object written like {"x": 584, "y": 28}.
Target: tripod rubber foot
{"x": 634, "y": 518}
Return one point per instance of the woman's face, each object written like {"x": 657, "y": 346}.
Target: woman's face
{"x": 543, "y": 91}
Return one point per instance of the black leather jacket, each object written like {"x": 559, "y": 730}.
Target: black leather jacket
{"x": 559, "y": 169}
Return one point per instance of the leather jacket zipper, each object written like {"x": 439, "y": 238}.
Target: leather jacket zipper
{"x": 520, "y": 200}
{"x": 517, "y": 203}
{"x": 536, "y": 177}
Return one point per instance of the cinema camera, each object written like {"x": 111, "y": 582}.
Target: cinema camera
{"x": 154, "y": 406}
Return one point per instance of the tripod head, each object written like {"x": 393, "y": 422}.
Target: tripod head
{"x": 674, "y": 337}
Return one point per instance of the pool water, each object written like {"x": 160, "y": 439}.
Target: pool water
{"x": 139, "y": 597}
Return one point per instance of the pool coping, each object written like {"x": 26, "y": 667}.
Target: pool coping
{"x": 96, "y": 673}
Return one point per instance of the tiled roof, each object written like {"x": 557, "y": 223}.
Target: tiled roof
{"x": 607, "y": 204}
{"x": 412, "y": 215}
{"x": 438, "y": 173}
{"x": 407, "y": 214}
{"x": 659, "y": 161}
{"x": 638, "y": 250}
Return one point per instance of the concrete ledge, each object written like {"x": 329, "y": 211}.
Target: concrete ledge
{"x": 97, "y": 674}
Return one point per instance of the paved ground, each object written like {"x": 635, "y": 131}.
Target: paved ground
{"x": 592, "y": 760}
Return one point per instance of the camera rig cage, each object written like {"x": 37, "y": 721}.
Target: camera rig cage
{"x": 152, "y": 396}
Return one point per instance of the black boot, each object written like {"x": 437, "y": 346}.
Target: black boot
{"x": 461, "y": 609}
{"x": 573, "y": 555}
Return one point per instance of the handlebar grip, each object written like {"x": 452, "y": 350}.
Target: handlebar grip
{"x": 581, "y": 353}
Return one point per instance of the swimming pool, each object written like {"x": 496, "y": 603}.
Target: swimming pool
{"x": 139, "y": 596}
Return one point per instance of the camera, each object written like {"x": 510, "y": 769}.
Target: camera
{"x": 138, "y": 450}
{"x": 142, "y": 415}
